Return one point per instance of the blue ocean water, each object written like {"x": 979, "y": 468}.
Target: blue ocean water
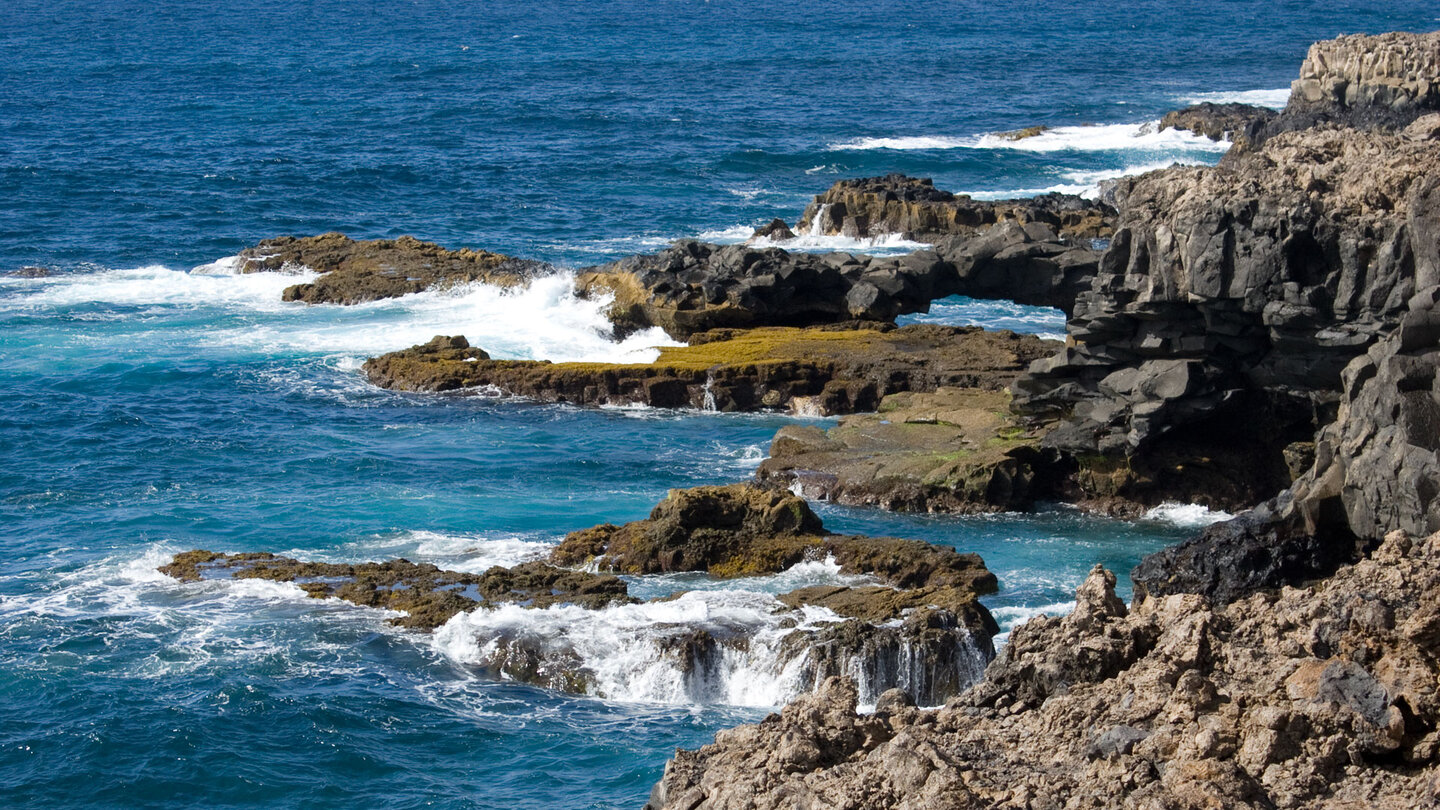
{"x": 146, "y": 409}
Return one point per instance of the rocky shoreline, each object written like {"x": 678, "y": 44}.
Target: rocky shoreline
{"x": 1262, "y": 335}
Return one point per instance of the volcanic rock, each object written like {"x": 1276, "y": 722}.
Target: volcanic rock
{"x": 358, "y": 271}
{"x": 819, "y": 370}
{"x": 897, "y": 204}
{"x": 1317, "y": 697}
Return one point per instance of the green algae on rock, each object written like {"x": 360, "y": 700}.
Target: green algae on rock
{"x": 817, "y": 370}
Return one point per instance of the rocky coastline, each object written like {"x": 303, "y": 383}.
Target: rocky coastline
{"x": 1261, "y": 336}
{"x": 1281, "y": 659}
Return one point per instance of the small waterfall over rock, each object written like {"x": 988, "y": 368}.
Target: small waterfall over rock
{"x": 726, "y": 646}
{"x": 708, "y": 400}
{"x": 817, "y": 225}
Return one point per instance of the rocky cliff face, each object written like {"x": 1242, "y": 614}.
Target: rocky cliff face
{"x": 1376, "y": 470}
{"x": 1368, "y": 80}
{"x": 1244, "y": 289}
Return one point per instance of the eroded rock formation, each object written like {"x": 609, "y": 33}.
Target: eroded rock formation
{"x": 895, "y": 203}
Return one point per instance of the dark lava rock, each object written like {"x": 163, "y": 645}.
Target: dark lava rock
{"x": 1237, "y": 122}
{"x": 775, "y": 230}
{"x": 897, "y": 204}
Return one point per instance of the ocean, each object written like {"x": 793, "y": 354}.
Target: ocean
{"x": 152, "y": 402}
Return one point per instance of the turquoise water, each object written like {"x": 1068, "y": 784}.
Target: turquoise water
{"x": 146, "y": 409}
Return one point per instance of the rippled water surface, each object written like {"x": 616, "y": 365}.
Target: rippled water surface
{"x": 147, "y": 409}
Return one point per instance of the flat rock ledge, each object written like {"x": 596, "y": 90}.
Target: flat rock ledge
{"x": 1321, "y": 697}
{"x": 815, "y": 371}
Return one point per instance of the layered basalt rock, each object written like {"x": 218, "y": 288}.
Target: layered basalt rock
{"x": 1376, "y": 469}
{"x": 1364, "y": 82}
{"x": 897, "y": 204}
{"x": 354, "y": 271}
{"x": 429, "y": 596}
{"x": 817, "y": 371}
{"x": 1239, "y": 293}
{"x": 1318, "y": 697}
{"x": 694, "y": 287}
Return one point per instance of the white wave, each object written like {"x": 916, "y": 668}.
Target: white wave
{"x": 1086, "y": 183}
{"x": 1013, "y": 616}
{"x": 1092, "y": 138}
{"x": 629, "y": 653}
{"x": 1276, "y": 99}
{"x": 1045, "y": 322}
{"x": 1186, "y": 515}
{"x": 801, "y": 575}
{"x": 543, "y": 321}
{"x": 726, "y": 236}
{"x": 155, "y": 285}
{"x": 886, "y": 244}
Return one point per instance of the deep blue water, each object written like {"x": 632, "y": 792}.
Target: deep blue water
{"x": 145, "y": 409}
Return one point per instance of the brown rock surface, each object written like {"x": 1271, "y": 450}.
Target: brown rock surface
{"x": 953, "y": 450}
{"x": 745, "y": 530}
{"x": 1323, "y": 697}
{"x": 876, "y": 206}
{"x": 358, "y": 271}
{"x": 428, "y": 595}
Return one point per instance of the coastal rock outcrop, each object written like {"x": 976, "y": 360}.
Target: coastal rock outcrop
{"x": 745, "y": 530}
{"x": 694, "y": 287}
{"x": 428, "y": 595}
{"x": 1385, "y": 81}
{"x": 1233, "y": 297}
{"x": 818, "y": 371}
{"x": 1235, "y": 122}
{"x": 897, "y": 204}
{"x": 1375, "y": 470}
{"x": 922, "y": 631}
{"x": 953, "y": 450}
{"x": 357, "y": 271}
{"x": 1316, "y": 697}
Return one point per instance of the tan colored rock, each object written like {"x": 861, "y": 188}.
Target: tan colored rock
{"x": 1303, "y": 698}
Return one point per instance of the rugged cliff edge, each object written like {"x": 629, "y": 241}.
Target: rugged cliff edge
{"x": 1321, "y": 697}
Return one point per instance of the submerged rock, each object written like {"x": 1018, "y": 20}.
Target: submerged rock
{"x": 817, "y": 371}
{"x": 358, "y": 271}
{"x": 1321, "y": 697}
